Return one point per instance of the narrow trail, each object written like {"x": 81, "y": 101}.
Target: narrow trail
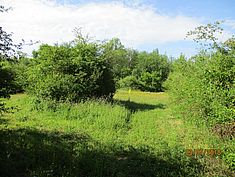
{"x": 156, "y": 126}
{"x": 153, "y": 120}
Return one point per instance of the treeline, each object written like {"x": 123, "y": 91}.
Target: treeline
{"x": 78, "y": 70}
{"x": 137, "y": 70}
{"x": 202, "y": 86}
{"x": 85, "y": 69}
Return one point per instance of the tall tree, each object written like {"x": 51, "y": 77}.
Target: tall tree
{"x": 121, "y": 59}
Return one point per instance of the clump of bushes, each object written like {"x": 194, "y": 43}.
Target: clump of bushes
{"x": 83, "y": 69}
{"x": 70, "y": 72}
{"x": 150, "y": 71}
{"x": 203, "y": 86}
{"x": 129, "y": 82}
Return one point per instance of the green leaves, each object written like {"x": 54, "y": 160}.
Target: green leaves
{"x": 203, "y": 86}
{"x": 70, "y": 72}
{"x": 151, "y": 71}
{"x": 207, "y": 35}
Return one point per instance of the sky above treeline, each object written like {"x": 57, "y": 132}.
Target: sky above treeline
{"x": 140, "y": 24}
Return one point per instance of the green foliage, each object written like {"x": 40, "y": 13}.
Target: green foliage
{"x": 151, "y": 71}
{"x": 70, "y": 72}
{"x": 130, "y": 82}
{"x": 230, "y": 159}
{"x": 121, "y": 59}
{"x": 5, "y": 47}
{"x": 206, "y": 35}
{"x": 20, "y": 69}
{"x": 204, "y": 86}
{"x": 5, "y": 80}
{"x": 136, "y": 70}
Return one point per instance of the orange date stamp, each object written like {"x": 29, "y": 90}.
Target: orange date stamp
{"x": 203, "y": 152}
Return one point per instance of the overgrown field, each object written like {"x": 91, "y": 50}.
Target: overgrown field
{"x": 136, "y": 135}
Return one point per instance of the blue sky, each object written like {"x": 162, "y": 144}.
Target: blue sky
{"x": 210, "y": 9}
{"x": 142, "y": 25}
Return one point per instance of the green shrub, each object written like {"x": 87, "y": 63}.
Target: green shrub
{"x": 203, "y": 86}
{"x": 20, "y": 68}
{"x": 230, "y": 159}
{"x": 130, "y": 82}
{"x": 8, "y": 79}
{"x": 70, "y": 73}
{"x": 151, "y": 70}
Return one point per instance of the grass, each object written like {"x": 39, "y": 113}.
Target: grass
{"x": 136, "y": 135}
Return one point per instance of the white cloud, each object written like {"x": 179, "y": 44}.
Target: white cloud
{"x": 230, "y": 23}
{"x": 50, "y": 22}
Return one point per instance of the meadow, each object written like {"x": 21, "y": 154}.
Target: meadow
{"x": 137, "y": 134}
{"x": 95, "y": 108}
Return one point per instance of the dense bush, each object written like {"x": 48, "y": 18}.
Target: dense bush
{"x": 70, "y": 72}
{"x": 151, "y": 71}
{"x": 20, "y": 69}
{"x": 136, "y": 70}
{"x": 8, "y": 80}
{"x": 130, "y": 82}
{"x": 5, "y": 85}
{"x": 85, "y": 69}
{"x": 148, "y": 72}
{"x": 203, "y": 86}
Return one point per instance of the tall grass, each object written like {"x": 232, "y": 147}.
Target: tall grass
{"x": 136, "y": 135}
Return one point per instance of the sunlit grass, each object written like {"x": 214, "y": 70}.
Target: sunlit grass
{"x": 134, "y": 123}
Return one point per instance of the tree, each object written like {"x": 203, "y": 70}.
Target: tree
{"x": 70, "y": 72}
{"x": 121, "y": 59}
{"x": 206, "y": 35}
{"x": 151, "y": 71}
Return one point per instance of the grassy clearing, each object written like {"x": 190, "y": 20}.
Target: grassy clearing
{"x": 137, "y": 135}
